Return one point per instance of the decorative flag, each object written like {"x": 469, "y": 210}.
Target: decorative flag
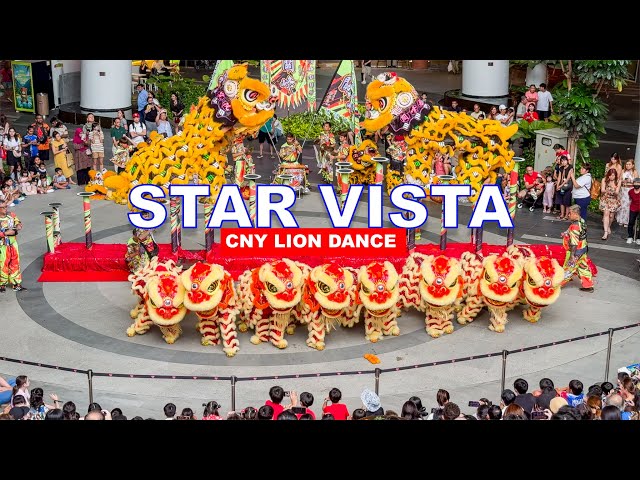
{"x": 219, "y": 69}
{"x": 295, "y": 81}
{"x": 341, "y": 98}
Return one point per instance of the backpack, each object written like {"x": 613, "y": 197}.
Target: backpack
{"x": 595, "y": 189}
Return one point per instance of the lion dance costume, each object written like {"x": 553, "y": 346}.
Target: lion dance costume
{"x": 9, "y": 253}
{"x": 576, "y": 261}
{"x": 396, "y": 109}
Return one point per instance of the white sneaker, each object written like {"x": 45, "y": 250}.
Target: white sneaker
{"x": 364, "y": 82}
{"x": 12, "y": 204}
{"x": 629, "y": 240}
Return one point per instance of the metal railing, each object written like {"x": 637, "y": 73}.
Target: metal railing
{"x": 377, "y": 372}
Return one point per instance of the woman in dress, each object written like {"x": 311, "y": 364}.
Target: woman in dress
{"x": 123, "y": 121}
{"x": 177, "y": 108}
{"x": 615, "y": 162}
{"x": 60, "y": 149}
{"x": 628, "y": 174}
{"x": 564, "y": 186}
{"x": 609, "y": 199}
{"x": 12, "y": 145}
{"x": 83, "y": 162}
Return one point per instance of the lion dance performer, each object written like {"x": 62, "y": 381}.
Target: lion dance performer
{"x": 378, "y": 294}
{"x": 211, "y": 295}
{"x": 327, "y": 144}
{"x": 433, "y": 285}
{"x": 576, "y": 261}
{"x": 329, "y": 299}
{"x": 10, "y": 225}
{"x": 237, "y": 105}
{"x": 141, "y": 247}
{"x": 269, "y": 295}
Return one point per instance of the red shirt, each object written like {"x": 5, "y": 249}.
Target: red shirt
{"x": 338, "y": 410}
{"x": 309, "y": 411}
{"x": 635, "y": 200}
{"x": 530, "y": 116}
{"x": 277, "y": 408}
{"x": 531, "y": 179}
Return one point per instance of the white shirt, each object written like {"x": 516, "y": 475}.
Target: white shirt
{"x": 500, "y": 117}
{"x": 522, "y": 109}
{"x": 137, "y": 128}
{"x": 544, "y": 99}
{"x": 585, "y": 183}
{"x": 477, "y": 114}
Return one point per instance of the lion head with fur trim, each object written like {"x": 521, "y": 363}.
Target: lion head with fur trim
{"x": 378, "y": 283}
{"x": 332, "y": 288}
{"x": 360, "y": 156}
{"x": 441, "y": 280}
{"x": 165, "y": 298}
{"x": 500, "y": 279}
{"x": 395, "y": 103}
{"x": 542, "y": 280}
{"x": 241, "y": 99}
{"x": 280, "y": 282}
{"x": 207, "y": 287}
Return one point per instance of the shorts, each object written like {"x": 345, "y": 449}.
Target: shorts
{"x": 97, "y": 155}
{"x": 43, "y": 154}
{"x": 263, "y": 136}
{"x": 564, "y": 200}
{"x": 542, "y": 114}
{"x": 13, "y": 160}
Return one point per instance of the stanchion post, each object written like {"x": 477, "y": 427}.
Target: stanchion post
{"x": 378, "y": 372}
{"x": 513, "y": 197}
{"x": 234, "y": 380}
{"x": 478, "y": 246}
{"x": 90, "y": 378}
{"x": 344, "y": 184}
{"x": 504, "y": 370}
{"x": 48, "y": 229}
{"x": 252, "y": 177}
{"x": 174, "y": 219}
{"x": 86, "y": 208}
{"x": 208, "y": 232}
{"x": 57, "y": 233}
{"x": 380, "y": 163}
{"x": 445, "y": 179}
{"x": 606, "y": 368}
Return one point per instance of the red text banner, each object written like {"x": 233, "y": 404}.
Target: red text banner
{"x": 330, "y": 242}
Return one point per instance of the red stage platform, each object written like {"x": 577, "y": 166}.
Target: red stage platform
{"x": 72, "y": 262}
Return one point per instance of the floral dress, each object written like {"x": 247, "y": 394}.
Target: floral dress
{"x": 609, "y": 199}
{"x": 622, "y": 217}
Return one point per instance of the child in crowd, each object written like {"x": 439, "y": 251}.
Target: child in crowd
{"x": 25, "y": 183}
{"x": 32, "y": 188}
{"x": 337, "y": 409}
{"x": 549, "y": 192}
{"x": 121, "y": 154}
{"x": 44, "y": 183}
{"x": 12, "y": 193}
{"x": 60, "y": 182}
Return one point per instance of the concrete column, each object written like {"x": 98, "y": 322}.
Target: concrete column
{"x": 537, "y": 75}
{"x": 105, "y": 86}
{"x": 485, "y": 78}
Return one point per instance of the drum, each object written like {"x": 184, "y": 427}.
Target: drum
{"x": 296, "y": 171}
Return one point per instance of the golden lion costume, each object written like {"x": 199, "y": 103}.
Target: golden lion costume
{"x": 329, "y": 298}
{"x": 211, "y": 295}
{"x": 396, "y": 108}
{"x": 269, "y": 297}
{"x": 433, "y": 285}
{"x": 237, "y": 105}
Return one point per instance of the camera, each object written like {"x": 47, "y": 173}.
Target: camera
{"x": 473, "y": 403}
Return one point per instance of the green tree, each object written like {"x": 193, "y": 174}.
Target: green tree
{"x": 188, "y": 91}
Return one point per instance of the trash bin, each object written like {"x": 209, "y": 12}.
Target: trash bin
{"x": 42, "y": 104}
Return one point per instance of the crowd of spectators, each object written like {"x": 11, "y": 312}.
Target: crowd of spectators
{"x": 601, "y": 401}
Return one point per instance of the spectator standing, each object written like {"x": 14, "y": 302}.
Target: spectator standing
{"x": 549, "y": 194}
{"x": 96, "y": 143}
{"x": 522, "y": 109}
{"x": 163, "y": 125}
{"x": 137, "y": 130}
{"x": 142, "y": 99}
{"x": 575, "y": 396}
{"x": 81, "y": 159}
{"x": 177, "y": 108}
{"x": 118, "y": 130}
{"x": 58, "y": 126}
{"x": 123, "y": 121}
{"x": 306, "y": 400}
{"x": 151, "y": 114}
{"x": 626, "y": 183}
{"x": 170, "y": 411}
{"x": 634, "y": 209}
{"x": 12, "y": 145}
{"x": 7, "y": 80}
{"x": 531, "y": 96}
{"x": 276, "y": 395}
{"x": 265, "y": 135}
{"x": 548, "y": 392}
{"x": 614, "y": 162}
{"x": 371, "y": 402}
{"x": 366, "y": 70}
{"x": 60, "y": 150}
{"x": 581, "y": 192}
{"x": 30, "y": 146}
{"x": 88, "y": 125}
{"x": 564, "y": 187}
{"x": 493, "y": 112}
{"x": 42, "y": 131}
{"x": 544, "y": 106}
{"x": 337, "y": 409}
{"x": 609, "y": 199}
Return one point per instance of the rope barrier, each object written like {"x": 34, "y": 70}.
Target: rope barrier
{"x": 320, "y": 374}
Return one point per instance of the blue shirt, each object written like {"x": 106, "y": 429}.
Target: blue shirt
{"x": 165, "y": 127}
{"x": 575, "y": 400}
{"x": 266, "y": 128}
{"x": 142, "y": 99}
{"x": 33, "y": 149}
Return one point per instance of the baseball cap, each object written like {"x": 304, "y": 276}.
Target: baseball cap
{"x": 636, "y": 181}
{"x": 136, "y": 115}
{"x": 502, "y": 107}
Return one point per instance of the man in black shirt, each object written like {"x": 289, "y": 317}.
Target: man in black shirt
{"x": 526, "y": 400}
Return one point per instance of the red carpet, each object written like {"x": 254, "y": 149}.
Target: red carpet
{"x": 72, "y": 262}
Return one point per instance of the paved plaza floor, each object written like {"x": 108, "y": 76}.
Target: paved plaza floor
{"x": 82, "y": 325}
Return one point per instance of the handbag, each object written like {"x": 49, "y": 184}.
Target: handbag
{"x": 70, "y": 161}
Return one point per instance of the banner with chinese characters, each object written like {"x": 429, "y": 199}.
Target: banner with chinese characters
{"x": 220, "y": 68}
{"x": 341, "y": 98}
{"x": 23, "y": 87}
{"x": 295, "y": 81}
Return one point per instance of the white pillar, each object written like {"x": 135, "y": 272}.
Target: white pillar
{"x": 485, "y": 78}
{"x": 105, "y": 86}
{"x": 536, "y": 75}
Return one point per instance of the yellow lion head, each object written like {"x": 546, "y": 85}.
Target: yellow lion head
{"x": 378, "y": 287}
{"x": 392, "y": 101}
{"x": 500, "y": 279}
{"x": 207, "y": 287}
{"x": 360, "y": 155}
{"x": 332, "y": 288}
{"x": 281, "y": 283}
{"x": 165, "y": 298}
{"x": 542, "y": 281}
{"x": 240, "y": 99}
{"x": 441, "y": 280}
